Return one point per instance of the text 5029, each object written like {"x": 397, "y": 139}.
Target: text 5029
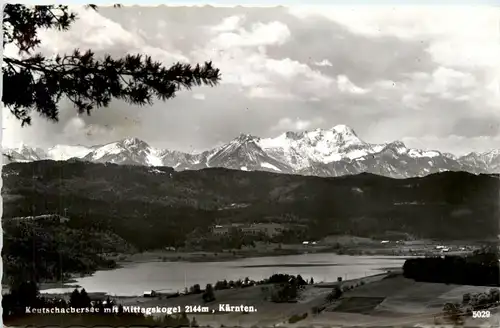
{"x": 480, "y": 314}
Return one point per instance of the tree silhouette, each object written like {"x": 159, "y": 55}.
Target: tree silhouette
{"x": 494, "y": 294}
{"x": 335, "y": 294}
{"x": 75, "y": 300}
{"x": 22, "y": 295}
{"x": 466, "y": 298}
{"x": 183, "y": 320}
{"x": 208, "y": 295}
{"x": 291, "y": 290}
{"x": 35, "y": 83}
{"x": 301, "y": 281}
{"x": 285, "y": 292}
{"x": 84, "y": 299}
{"x": 195, "y": 289}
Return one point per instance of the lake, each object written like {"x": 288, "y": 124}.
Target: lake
{"x": 135, "y": 278}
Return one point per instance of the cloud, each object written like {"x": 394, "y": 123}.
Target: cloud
{"x": 419, "y": 89}
{"x": 447, "y": 82}
{"x": 289, "y": 124}
{"x": 441, "y": 23}
{"x": 411, "y": 73}
{"x": 241, "y": 55}
{"x": 229, "y": 24}
{"x": 345, "y": 85}
{"x": 259, "y": 35}
{"x": 460, "y": 39}
{"x": 94, "y": 31}
{"x": 76, "y": 128}
{"x": 323, "y": 63}
{"x": 199, "y": 96}
{"x": 270, "y": 93}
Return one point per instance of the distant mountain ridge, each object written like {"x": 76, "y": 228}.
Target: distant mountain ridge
{"x": 322, "y": 152}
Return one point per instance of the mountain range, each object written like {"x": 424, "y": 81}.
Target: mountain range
{"x": 322, "y": 152}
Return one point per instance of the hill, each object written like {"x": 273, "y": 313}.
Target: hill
{"x": 46, "y": 250}
{"x": 158, "y": 207}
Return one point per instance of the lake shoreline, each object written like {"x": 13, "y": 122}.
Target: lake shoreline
{"x": 131, "y": 299}
{"x": 292, "y": 266}
{"x": 171, "y": 256}
{"x": 351, "y": 246}
{"x": 231, "y": 255}
{"x": 125, "y": 260}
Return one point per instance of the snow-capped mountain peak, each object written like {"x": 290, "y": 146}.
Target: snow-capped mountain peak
{"x": 398, "y": 144}
{"x": 132, "y": 151}
{"x": 340, "y": 136}
{"x": 293, "y": 135}
{"x": 346, "y": 134}
{"x": 30, "y": 153}
{"x": 134, "y": 143}
{"x": 344, "y": 129}
{"x": 242, "y": 138}
{"x": 324, "y": 152}
{"x": 65, "y": 152}
{"x": 300, "y": 149}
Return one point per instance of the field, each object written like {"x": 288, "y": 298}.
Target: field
{"x": 384, "y": 299}
{"x": 395, "y": 301}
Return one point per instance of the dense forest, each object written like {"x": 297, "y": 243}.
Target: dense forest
{"x": 159, "y": 207}
{"x": 46, "y": 250}
{"x": 480, "y": 269}
{"x": 109, "y": 206}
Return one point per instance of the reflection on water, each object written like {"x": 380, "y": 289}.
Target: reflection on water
{"x": 298, "y": 265}
{"x": 134, "y": 279}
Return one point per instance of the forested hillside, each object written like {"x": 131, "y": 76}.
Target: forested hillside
{"x": 156, "y": 207}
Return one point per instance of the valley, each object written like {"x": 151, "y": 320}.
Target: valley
{"x": 117, "y": 209}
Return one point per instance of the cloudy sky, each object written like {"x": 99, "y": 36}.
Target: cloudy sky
{"x": 426, "y": 76}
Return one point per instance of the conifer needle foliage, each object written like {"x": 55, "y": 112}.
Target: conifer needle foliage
{"x": 33, "y": 82}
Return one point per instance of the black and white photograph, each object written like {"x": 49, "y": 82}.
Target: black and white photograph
{"x": 251, "y": 166}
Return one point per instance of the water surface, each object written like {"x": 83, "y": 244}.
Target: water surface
{"x": 134, "y": 279}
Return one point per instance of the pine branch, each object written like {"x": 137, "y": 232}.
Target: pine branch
{"x": 90, "y": 83}
{"x": 21, "y": 23}
{"x": 37, "y": 83}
